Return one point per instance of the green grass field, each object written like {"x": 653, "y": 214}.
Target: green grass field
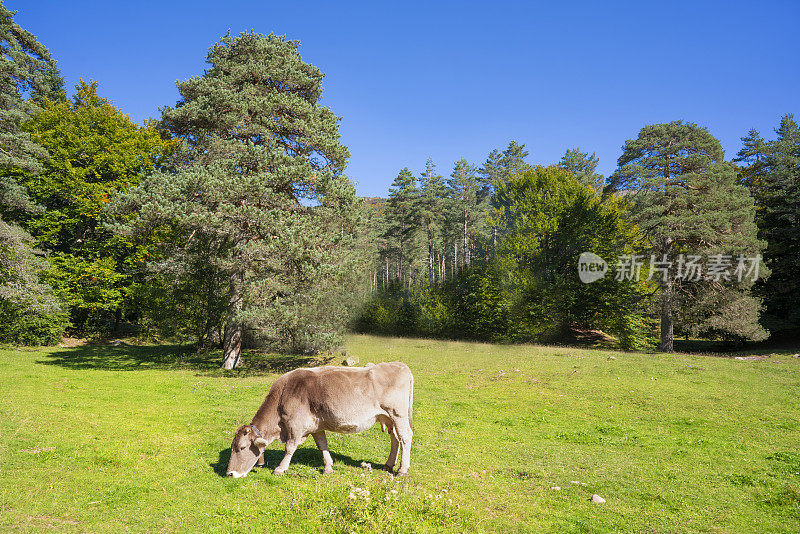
{"x": 103, "y": 439}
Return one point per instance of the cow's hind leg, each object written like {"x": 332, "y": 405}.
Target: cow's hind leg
{"x": 291, "y": 445}
{"x": 404, "y": 435}
{"x": 322, "y": 444}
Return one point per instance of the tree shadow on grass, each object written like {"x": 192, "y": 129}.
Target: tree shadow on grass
{"x": 309, "y": 456}
{"x": 173, "y": 357}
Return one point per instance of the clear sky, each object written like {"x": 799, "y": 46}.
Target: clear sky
{"x": 456, "y": 79}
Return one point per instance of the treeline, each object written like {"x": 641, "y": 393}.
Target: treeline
{"x": 227, "y": 221}
{"x": 492, "y": 252}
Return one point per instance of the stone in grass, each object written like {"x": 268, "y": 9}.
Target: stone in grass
{"x": 350, "y": 361}
{"x": 598, "y": 499}
{"x": 556, "y": 488}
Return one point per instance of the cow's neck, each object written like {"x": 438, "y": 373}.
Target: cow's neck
{"x": 266, "y": 419}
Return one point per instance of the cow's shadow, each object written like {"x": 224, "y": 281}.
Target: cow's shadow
{"x": 308, "y": 456}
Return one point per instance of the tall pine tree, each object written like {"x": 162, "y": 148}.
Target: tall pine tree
{"x": 464, "y": 187}
{"x": 260, "y": 194}
{"x": 774, "y": 180}
{"x": 433, "y": 193}
{"x": 402, "y": 222}
{"x": 28, "y": 76}
{"x": 687, "y": 200}
{"x": 583, "y": 165}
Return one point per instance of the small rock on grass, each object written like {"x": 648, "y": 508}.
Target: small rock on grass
{"x": 556, "y": 488}
{"x": 598, "y": 499}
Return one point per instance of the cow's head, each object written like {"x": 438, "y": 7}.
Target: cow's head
{"x": 248, "y": 445}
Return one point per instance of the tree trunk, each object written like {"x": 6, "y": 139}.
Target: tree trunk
{"x": 117, "y": 319}
{"x": 667, "y": 336}
{"x": 431, "y": 259}
{"x": 466, "y": 243}
{"x": 232, "y": 341}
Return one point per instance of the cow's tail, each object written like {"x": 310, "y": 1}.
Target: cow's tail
{"x": 411, "y": 404}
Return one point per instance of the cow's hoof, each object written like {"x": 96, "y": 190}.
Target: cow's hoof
{"x": 402, "y": 472}
{"x": 327, "y": 471}
{"x": 279, "y": 472}
{"x": 388, "y": 468}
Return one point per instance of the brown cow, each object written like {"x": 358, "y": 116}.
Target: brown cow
{"x": 338, "y": 399}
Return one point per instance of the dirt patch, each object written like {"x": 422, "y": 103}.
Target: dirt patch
{"x": 71, "y": 342}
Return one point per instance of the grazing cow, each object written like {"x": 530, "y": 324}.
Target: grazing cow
{"x": 338, "y": 399}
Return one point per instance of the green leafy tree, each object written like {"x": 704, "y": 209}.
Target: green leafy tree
{"x": 687, "y": 200}
{"x": 96, "y": 153}
{"x": 546, "y": 220}
{"x": 260, "y": 197}
{"x": 584, "y": 166}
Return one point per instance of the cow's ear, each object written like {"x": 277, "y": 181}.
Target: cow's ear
{"x": 261, "y": 443}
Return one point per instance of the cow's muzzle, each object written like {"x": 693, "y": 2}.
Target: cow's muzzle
{"x": 236, "y": 474}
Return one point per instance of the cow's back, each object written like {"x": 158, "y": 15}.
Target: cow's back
{"x": 346, "y": 399}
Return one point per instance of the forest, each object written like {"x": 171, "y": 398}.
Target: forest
{"x": 229, "y": 222}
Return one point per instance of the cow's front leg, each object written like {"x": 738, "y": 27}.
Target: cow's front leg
{"x": 291, "y": 445}
{"x": 322, "y": 444}
{"x": 260, "y": 461}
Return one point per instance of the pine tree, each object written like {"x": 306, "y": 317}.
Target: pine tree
{"x": 402, "y": 221}
{"x": 260, "y": 194}
{"x": 464, "y": 186}
{"x": 491, "y": 172}
{"x": 513, "y": 160}
{"x": 433, "y": 193}
{"x": 775, "y": 183}
{"x": 499, "y": 166}
{"x": 27, "y": 75}
{"x": 751, "y": 156}
{"x": 583, "y": 165}
{"x": 753, "y": 147}
{"x": 687, "y": 200}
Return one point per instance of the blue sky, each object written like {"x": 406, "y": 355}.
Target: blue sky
{"x": 448, "y": 80}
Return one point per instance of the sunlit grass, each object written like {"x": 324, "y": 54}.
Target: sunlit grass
{"x": 112, "y": 438}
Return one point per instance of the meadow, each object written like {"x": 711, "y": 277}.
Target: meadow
{"x": 103, "y": 438}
